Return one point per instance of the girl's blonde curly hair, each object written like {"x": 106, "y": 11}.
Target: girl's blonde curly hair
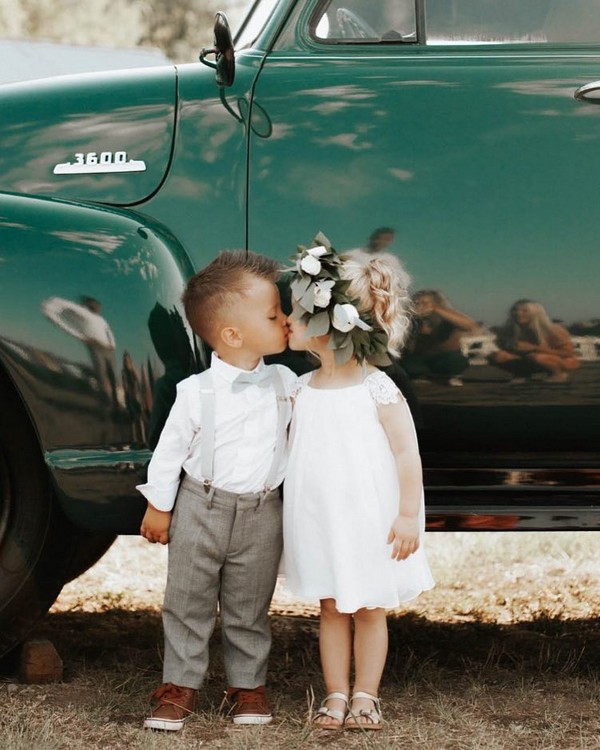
{"x": 380, "y": 285}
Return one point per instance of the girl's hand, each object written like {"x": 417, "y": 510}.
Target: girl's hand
{"x": 525, "y": 346}
{"x": 424, "y": 307}
{"x": 155, "y": 525}
{"x": 404, "y": 534}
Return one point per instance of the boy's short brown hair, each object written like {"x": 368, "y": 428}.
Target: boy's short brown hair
{"x": 216, "y": 287}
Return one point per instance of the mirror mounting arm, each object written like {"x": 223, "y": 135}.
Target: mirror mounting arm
{"x": 204, "y": 52}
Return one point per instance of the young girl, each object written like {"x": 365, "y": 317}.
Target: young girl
{"x": 353, "y": 511}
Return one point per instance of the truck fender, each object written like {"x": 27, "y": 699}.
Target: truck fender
{"x": 94, "y": 340}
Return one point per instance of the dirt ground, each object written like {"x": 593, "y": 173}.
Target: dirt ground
{"x": 503, "y": 653}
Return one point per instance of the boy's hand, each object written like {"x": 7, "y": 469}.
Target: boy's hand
{"x": 405, "y": 536}
{"x": 155, "y": 525}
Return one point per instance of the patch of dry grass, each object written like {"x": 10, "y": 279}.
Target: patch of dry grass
{"x": 504, "y": 653}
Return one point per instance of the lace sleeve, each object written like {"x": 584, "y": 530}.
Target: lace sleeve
{"x": 382, "y": 388}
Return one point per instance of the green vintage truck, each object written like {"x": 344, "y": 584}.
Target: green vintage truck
{"x": 461, "y": 135}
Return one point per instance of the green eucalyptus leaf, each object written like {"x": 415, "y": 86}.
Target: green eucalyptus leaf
{"x": 320, "y": 239}
{"x": 338, "y": 340}
{"x": 299, "y": 286}
{"x": 343, "y": 355}
{"x": 379, "y": 359}
{"x": 318, "y": 325}
{"x": 308, "y": 299}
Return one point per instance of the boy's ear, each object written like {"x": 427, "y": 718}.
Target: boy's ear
{"x": 231, "y": 337}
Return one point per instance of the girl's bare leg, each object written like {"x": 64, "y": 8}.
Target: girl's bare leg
{"x": 557, "y": 366}
{"x": 500, "y": 357}
{"x": 335, "y": 645}
{"x": 370, "y": 651}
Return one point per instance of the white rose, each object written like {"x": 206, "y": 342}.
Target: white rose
{"x": 323, "y": 293}
{"x": 346, "y": 317}
{"x": 316, "y": 252}
{"x": 311, "y": 265}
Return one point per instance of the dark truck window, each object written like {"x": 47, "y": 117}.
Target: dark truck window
{"x": 449, "y": 22}
{"x": 366, "y": 21}
{"x": 512, "y": 21}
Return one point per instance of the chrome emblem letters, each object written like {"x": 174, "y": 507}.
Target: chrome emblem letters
{"x": 94, "y": 163}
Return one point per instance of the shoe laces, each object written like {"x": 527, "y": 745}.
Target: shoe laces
{"x": 169, "y": 694}
{"x": 247, "y": 699}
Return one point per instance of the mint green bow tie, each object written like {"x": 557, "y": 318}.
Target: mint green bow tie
{"x": 262, "y": 378}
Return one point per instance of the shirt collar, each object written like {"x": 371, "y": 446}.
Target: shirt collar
{"x": 227, "y": 373}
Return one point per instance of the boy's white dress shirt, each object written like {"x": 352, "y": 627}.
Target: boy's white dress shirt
{"x": 245, "y": 436}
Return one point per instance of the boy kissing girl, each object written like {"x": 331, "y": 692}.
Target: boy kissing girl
{"x": 213, "y": 491}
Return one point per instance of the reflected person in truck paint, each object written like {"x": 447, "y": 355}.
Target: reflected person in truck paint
{"x": 380, "y": 240}
{"x": 84, "y": 322}
{"x": 530, "y": 343}
{"x": 133, "y": 393}
{"x": 435, "y": 344}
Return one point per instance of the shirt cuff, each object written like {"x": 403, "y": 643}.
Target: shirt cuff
{"x": 161, "y": 498}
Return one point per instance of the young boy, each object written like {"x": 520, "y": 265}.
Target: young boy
{"x": 225, "y": 435}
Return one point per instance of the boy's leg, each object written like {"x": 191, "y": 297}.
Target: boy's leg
{"x": 247, "y": 583}
{"x": 198, "y": 544}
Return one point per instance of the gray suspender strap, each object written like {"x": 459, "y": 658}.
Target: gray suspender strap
{"x": 207, "y": 400}
{"x": 282, "y": 407}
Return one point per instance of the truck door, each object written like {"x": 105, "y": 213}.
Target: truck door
{"x": 455, "y": 134}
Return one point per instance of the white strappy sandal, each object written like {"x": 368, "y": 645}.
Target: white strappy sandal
{"x": 332, "y": 713}
{"x": 372, "y": 715}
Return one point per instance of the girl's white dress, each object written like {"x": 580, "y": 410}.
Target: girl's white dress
{"x": 341, "y": 496}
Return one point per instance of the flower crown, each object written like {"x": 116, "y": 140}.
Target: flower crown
{"x": 321, "y": 303}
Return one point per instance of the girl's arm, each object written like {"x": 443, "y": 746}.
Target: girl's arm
{"x": 560, "y": 344}
{"x": 458, "y": 319}
{"x": 398, "y": 425}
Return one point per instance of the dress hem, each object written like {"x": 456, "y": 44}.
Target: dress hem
{"x": 314, "y": 598}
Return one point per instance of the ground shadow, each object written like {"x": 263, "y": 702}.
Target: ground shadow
{"x": 118, "y": 637}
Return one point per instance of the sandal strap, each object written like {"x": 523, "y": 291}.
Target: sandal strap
{"x": 335, "y": 696}
{"x": 372, "y": 714}
{"x": 333, "y": 713}
{"x": 368, "y": 696}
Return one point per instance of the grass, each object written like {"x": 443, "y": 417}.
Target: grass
{"x": 504, "y": 653}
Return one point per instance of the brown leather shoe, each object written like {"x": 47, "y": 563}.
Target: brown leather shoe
{"x": 172, "y": 705}
{"x": 248, "y": 706}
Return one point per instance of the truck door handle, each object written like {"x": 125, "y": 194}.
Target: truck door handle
{"x": 590, "y": 92}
